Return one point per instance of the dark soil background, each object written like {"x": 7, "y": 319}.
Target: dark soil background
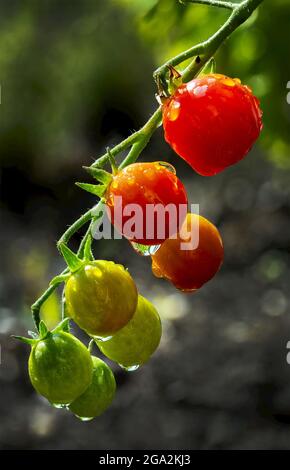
{"x": 74, "y": 79}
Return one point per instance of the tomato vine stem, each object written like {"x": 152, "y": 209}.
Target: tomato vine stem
{"x": 35, "y": 308}
{"x": 137, "y": 141}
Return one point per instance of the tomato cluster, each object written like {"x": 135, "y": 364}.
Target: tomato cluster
{"x": 211, "y": 122}
{"x": 102, "y": 299}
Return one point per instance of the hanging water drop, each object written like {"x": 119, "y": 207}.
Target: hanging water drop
{"x": 84, "y": 418}
{"x": 103, "y": 338}
{"x": 130, "y": 368}
{"x": 145, "y": 250}
{"x": 60, "y": 405}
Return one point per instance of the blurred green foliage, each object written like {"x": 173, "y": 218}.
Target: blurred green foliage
{"x": 60, "y": 64}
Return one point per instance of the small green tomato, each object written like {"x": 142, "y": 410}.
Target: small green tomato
{"x": 99, "y": 395}
{"x": 133, "y": 345}
{"x": 60, "y": 367}
{"x": 101, "y": 297}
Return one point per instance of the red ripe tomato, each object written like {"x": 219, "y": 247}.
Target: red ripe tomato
{"x": 212, "y": 122}
{"x": 136, "y": 200}
{"x": 191, "y": 258}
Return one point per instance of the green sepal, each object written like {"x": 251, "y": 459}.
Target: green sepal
{"x": 25, "y": 340}
{"x": 174, "y": 81}
{"x": 100, "y": 175}
{"x": 59, "y": 279}
{"x": 72, "y": 260}
{"x": 43, "y": 331}
{"x": 209, "y": 67}
{"x": 96, "y": 189}
{"x": 62, "y": 326}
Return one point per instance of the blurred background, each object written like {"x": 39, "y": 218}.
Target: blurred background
{"x": 76, "y": 76}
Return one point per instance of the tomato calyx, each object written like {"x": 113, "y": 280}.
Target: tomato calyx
{"x": 44, "y": 332}
{"x": 72, "y": 260}
{"x": 167, "y": 87}
{"x": 103, "y": 177}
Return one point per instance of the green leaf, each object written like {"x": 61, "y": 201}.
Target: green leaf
{"x": 25, "y": 340}
{"x": 72, "y": 260}
{"x": 209, "y": 67}
{"x": 98, "y": 190}
{"x": 62, "y": 326}
{"x": 59, "y": 279}
{"x": 99, "y": 174}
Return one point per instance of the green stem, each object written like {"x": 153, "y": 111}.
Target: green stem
{"x": 124, "y": 145}
{"x": 213, "y": 3}
{"x": 207, "y": 49}
{"x": 137, "y": 138}
{"x": 240, "y": 14}
{"x": 35, "y": 308}
{"x": 75, "y": 227}
{"x": 144, "y": 137}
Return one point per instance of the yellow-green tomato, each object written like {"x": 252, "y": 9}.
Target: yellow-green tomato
{"x": 60, "y": 367}
{"x": 101, "y": 297}
{"x": 99, "y": 394}
{"x": 136, "y": 342}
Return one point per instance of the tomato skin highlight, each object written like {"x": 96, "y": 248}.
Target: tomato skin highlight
{"x": 101, "y": 297}
{"x": 143, "y": 184}
{"x": 212, "y": 122}
{"x": 188, "y": 269}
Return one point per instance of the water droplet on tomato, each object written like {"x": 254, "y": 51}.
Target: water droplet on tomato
{"x": 103, "y": 339}
{"x": 145, "y": 250}
{"x": 130, "y": 368}
{"x": 200, "y": 91}
{"x": 228, "y": 82}
{"x": 173, "y": 110}
{"x": 60, "y": 405}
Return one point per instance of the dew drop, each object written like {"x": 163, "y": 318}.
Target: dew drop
{"x": 174, "y": 110}
{"x": 60, "y": 405}
{"x": 200, "y": 91}
{"x": 218, "y": 76}
{"x": 130, "y": 368}
{"x": 145, "y": 250}
{"x": 103, "y": 339}
{"x": 228, "y": 82}
{"x": 82, "y": 418}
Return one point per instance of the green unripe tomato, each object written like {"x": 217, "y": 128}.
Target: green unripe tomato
{"x": 101, "y": 297}
{"x": 136, "y": 342}
{"x": 60, "y": 367}
{"x": 99, "y": 394}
